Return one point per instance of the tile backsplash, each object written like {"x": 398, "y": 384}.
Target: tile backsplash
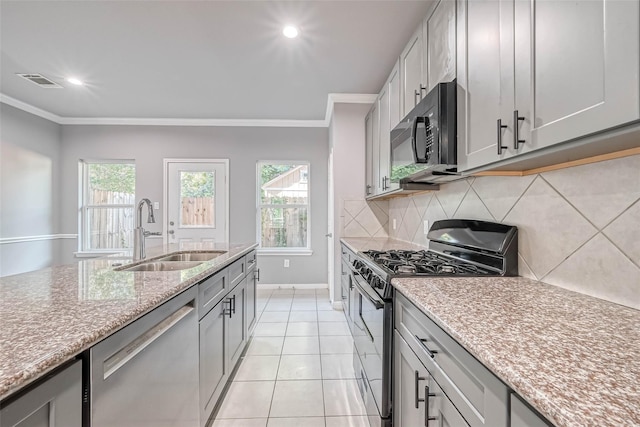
{"x": 579, "y": 228}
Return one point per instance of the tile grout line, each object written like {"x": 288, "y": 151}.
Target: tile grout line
{"x": 518, "y": 199}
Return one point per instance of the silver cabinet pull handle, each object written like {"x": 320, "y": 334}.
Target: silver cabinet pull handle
{"x": 416, "y": 95}
{"x": 516, "y": 130}
{"x": 500, "y": 146}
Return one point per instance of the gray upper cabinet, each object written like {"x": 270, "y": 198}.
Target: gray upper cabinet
{"x": 368, "y": 158}
{"x": 55, "y": 402}
{"x": 383, "y": 116}
{"x": 389, "y": 110}
{"x": 484, "y": 91}
{"x": 439, "y": 35}
{"x": 596, "y": 86}
{"x": 412, "y": 66}
{"x": 532, "y": 74}
{"x": 375, "y": 148}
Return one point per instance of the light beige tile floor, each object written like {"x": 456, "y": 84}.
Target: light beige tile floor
{"x": 298, "y": 369}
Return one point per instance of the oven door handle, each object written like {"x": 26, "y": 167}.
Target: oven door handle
{"x": 377, "y": 302}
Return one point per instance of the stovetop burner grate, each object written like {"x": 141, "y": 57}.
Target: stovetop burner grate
{"x": 403, "y": 262}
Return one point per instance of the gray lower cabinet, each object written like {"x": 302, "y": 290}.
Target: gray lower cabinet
{"x": 478, "y": 395}
{"x": 224, "y": 330}
{"x": 522, "y": 416}
{"x": 253, "y": 275}
{"x": 53, "y": 403}
{"x": 213, "y": 368}
{"x": 236, "y": 336}
{"x": 418, "y": 400}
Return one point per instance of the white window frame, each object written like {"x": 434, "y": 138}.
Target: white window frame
{"x": 259, "y": 205}
{"x": 83, "y": 207}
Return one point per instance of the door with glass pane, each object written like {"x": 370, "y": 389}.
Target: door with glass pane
{"x": 197, "y": 197}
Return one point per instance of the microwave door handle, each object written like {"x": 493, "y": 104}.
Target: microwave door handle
{"x": 414, "y": 132}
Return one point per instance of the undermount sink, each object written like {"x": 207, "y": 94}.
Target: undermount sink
{"x": 162, "y": 266}
{"x": 192, "y": 256}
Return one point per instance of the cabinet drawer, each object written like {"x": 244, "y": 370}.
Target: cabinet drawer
{"x": 480, "y": 396}
{"x": 347, "y": 255}
{"x": 237, "y": 271}
{"x": 251, "y": 261}
{"x": 211, "y": 291}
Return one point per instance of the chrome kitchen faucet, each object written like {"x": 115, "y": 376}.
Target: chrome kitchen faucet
{"x": 139, "y": 234}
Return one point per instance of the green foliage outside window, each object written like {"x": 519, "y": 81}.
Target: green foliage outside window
{"x": 116, "y": 177}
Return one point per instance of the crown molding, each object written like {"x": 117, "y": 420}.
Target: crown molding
{"x": 29, "y": 108}
{"x": 332, "y": 98}
{"x": 190, "y": 122}
{"x": 347, "y": 98}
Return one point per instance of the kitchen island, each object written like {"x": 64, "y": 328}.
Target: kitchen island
{"x": 51, "y": 315}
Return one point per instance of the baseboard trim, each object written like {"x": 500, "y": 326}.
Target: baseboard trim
{"x": 337, "y": 305}
{"x": 292, "y": 286}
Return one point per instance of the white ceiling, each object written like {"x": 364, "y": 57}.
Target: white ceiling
{"x": 200, "y": 59}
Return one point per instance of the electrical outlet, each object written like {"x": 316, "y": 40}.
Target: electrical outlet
{"x": 394, "y": 223}
{"x": 286, "y": 263}
{"x": 156, "y": 205}
{"x": 426, "y": 226}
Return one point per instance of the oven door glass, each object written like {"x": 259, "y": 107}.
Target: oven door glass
{"x": 368, "y": 339}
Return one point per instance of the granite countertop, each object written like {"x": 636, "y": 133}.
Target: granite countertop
{"x": 51, "y": 315}
{"x": 574, "y": 358}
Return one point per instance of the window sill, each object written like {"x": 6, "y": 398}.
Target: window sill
{"x": 285, "y": 252}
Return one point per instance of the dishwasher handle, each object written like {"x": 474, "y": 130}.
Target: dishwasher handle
{"x": 135, "y": 347}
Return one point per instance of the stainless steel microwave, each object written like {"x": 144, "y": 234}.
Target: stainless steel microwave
{"x": 423, "y": 145}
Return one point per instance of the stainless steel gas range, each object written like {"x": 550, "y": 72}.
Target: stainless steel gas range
{"x": 456, "y": 248}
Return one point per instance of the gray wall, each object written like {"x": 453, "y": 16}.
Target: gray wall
{"x": 347, "y": 139}
{"x": 29, "y": 190}
{"x": 149, "y": 145}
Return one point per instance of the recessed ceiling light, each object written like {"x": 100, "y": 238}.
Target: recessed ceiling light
{"x": 290, "y": 31}
{"x": 75, "y": 81}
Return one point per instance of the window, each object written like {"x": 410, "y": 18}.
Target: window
{"x": 107, "y": 207}
{"x": 283, "y": 205}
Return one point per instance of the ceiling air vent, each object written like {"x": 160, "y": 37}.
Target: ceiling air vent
{"x": 41, "y": 81}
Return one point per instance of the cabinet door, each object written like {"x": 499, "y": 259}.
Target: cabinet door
{"x": 577, "y": 68}
{"x": 409, "y": 380}
{"x": 440, "y": 41}
{"x": 236, "y": 337}
{"x": 388, "y": 107}
{"x": 411, "y": 68}
{"x": 522, "y": 416}
{"x": 441, "y": 410}
{"x": 368, "y": 158}
{"x": 375, "y": 152}
{"x": 213, "y": 371}
{"x": 55, "y": 402}
{"x": 485, "y": 80}
{"x": 251, "y": 303}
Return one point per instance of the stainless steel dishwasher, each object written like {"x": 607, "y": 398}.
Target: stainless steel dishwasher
{"x": 147, "y": 373}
